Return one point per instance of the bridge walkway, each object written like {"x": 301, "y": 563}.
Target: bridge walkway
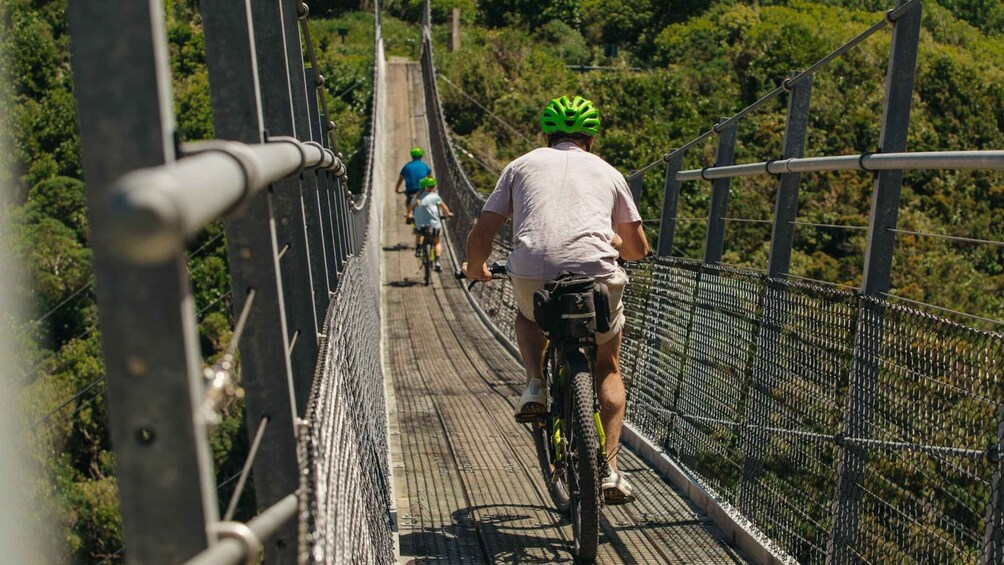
{"x": 467, "y": 485}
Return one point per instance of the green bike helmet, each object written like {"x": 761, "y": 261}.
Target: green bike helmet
{"x": 427, "y": 182}
{"x": 417, "y": 153}
{"x": 577, "y": 115}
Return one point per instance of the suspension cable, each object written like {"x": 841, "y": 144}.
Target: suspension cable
{"x": 489, "y": 112}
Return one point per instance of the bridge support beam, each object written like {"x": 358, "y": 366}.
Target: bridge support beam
{"x": 864, "y": 373}
{"x": 714, "y": 243}
{"x": 637, "y": 185}
{"x": 785, "y": 210}
{"x": 670, "y": 204}
{"x": 322, "y": 180}
{"x": 154, "y": 384}
{"x": 303, "y": 128}
{"x": 253, "y": 251}
{"x": 786, "y": 204}
{"x": 289, "y": 197}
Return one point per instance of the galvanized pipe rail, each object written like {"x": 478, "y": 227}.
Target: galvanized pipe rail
{"x": 156, "y": 210}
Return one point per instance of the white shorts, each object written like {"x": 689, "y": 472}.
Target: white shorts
{"x": 524, "y": 289}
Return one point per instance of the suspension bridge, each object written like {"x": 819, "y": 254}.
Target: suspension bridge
{"x": 770, "y": 419}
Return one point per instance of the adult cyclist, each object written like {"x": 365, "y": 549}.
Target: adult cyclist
{"x": 571, "y": 211}
{"x": 411, "y": 174}
{"x": 428, "y": 211}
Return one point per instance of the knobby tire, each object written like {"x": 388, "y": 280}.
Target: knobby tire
{"x": 584, "y": 509}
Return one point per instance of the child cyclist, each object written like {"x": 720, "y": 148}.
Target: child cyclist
{"x": 428, "y": 210}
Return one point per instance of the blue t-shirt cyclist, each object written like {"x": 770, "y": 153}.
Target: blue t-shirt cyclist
{"x": 411, "y": 174}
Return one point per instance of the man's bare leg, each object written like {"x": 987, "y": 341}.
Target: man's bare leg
{"x": 610, "y": 390}
{"x": 531, "y": 346}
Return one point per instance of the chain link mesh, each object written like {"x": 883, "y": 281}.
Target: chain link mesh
{"x": 839, "y": 427}
{"x": 345, "y": 484}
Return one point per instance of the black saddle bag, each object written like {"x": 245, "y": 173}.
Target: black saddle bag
{"x": 572, "y": 305}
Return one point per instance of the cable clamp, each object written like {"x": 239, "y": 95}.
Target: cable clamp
{"x": 243, "y": 534}
{"x": 296, "y": 143}
{"x": 240, "y": 153}
{"x": 703, "y": 170}
{"x": 324, "y": 163}
{"x": 888, "y": 16}
{"x": 766, "y": 167}
{"x": 302, "y": 11}
{"x": 861, "y": 160}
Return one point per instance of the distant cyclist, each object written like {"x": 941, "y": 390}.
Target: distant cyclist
{"x": 411, "y": 174}
{"x": 571, "y": 211}
{"x": 428, "y": 210}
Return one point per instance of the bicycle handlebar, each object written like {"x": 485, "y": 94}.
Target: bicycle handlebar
{"x": 497, "y": 269}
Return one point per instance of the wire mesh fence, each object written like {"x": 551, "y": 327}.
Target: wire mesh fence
{"x": 345, "y": 484}
{"x": 838, "y": 425}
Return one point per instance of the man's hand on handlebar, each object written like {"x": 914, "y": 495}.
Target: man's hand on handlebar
{"x": 474, "y": 273}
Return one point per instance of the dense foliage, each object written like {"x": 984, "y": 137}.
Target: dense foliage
{"x": 62, "y": 389}
{"x": 683, "y": 65}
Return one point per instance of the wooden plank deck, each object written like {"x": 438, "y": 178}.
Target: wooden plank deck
{"x": 467, "y": 485}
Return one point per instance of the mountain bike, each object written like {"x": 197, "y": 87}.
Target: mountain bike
{"x": 569, "y": 437}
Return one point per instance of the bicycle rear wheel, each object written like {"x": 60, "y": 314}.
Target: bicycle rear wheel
{"x": 427, "y": 262}
{"x": 543, "y": 438}
{"x": 583, "y": 448}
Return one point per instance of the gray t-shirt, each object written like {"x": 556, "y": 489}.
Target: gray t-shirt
{"x": 564, "y": 203}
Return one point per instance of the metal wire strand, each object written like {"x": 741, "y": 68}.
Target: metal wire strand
{"x": 246, "y": 470}
{"x": 68, "y": 401}
{"x": 949, "y": 237}
{"x": 235, "y": 338}
{"x": 834, "y": 226}
{"x": 487, "y": 111}
{"x": 943, "y": 309}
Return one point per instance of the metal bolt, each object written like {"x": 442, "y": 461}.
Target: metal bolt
{"x": 136, "y": 366}
{"x": 245, "y": 253}
{"x": 284, "y": 221}
{"x": 145, "y": 435}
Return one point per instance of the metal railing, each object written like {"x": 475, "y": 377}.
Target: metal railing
{"x": 829, "y": 424}
{"x": 301, "y": 265}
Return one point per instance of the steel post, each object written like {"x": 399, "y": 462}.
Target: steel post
{"x": 670, "y": 204}
{"x": 288, "y": 202}
{"x": 786, "y": 202}
{"x": 252, "y": 248}
{"x": 303, "y": 127}
{"x": 322, "y": 180}
{"x": 754, "y": 438}
{"x": 863, "y": 381}
{"x": 993, "y": 532}
{"x": 714, "y": 243}
{"x": 163, "y": 464}
{"x": 637, "y": 185}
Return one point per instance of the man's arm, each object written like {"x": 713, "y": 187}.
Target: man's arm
{"x": 633, "y": 245}
{"x": 400, "y": 181}
{"x": 479, "y": 245}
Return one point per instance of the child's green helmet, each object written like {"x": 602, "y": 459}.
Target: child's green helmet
{"x": 417, "y": 153}
{"x": 427, "y": 182}
{"x": 577, "y": 115}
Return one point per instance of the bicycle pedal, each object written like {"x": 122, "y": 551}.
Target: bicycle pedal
{"x": 529, "y": 418}
{"x": 613, "y": 497}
